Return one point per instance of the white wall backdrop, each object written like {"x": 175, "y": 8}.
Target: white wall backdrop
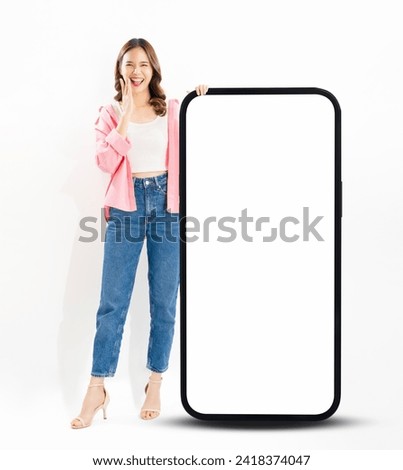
{"x": 57, "y": 69}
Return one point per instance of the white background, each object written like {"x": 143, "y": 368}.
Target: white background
{"x": 57, "y": 69}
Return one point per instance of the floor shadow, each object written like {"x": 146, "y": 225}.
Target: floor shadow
{"x": 333, "y": 422}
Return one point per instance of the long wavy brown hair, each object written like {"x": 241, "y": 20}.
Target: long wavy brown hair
{"x": 157, "y": 99}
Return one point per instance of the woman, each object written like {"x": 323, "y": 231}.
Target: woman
{"x": 138, "y": 145}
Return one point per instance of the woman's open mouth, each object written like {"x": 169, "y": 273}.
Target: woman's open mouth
{"x": 136, "y": 82}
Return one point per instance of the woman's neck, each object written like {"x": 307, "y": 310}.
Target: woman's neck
{"x": 141, "y": 100}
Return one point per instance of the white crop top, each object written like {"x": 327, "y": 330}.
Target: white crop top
{"x": 149, "y": 143}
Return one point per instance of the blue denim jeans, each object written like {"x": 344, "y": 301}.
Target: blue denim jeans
{"x": 124, "y": 238}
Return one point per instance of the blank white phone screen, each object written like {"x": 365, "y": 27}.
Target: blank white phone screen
{"x": 260, "y": 254}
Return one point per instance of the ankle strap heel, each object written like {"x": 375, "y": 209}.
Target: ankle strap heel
{"x": 146, "y": 409}
{"x": 103, "y": 406}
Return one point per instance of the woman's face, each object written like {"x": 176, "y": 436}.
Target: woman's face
{"x": 137, "y": 68}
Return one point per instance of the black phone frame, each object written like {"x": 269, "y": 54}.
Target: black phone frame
{"x": 337, "y": 255}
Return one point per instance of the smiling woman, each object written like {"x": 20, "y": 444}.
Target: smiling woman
{"x": 143, "y": 190}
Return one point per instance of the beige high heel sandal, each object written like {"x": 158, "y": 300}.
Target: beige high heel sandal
{"x": 150, "y": 409}
{"x": 103, "y": 406}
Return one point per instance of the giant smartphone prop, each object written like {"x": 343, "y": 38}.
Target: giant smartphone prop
{"x": 260, "y": 208}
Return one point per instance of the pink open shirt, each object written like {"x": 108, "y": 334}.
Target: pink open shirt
{"x": 111, "y": 157}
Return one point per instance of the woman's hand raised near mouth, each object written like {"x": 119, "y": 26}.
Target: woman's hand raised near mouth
{"x": 127, "y": 96}
{"x": 127, "y": 107}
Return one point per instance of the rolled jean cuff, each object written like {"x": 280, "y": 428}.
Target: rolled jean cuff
{"x": 95, "y": 374}
{"x": 153, "y": 369}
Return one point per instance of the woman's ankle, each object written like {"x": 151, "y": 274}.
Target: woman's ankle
{"x": 96, "y": 380}
{"x": 156, "y": 376}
